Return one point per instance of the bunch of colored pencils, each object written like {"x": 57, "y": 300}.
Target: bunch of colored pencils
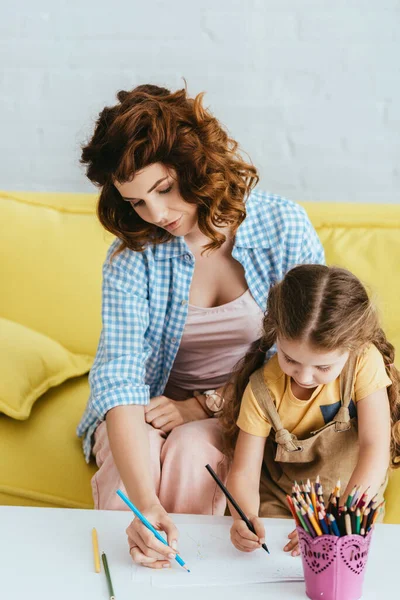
{"x": 355, "y": 516}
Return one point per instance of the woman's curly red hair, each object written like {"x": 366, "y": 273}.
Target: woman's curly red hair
{"x": 150, "y": 125}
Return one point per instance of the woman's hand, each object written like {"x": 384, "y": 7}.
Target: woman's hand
{"x": 243, "y": 539}
{"x": 293, "y": 545}
{"x": 166, "y": 414}
{"x": 144, "y": 548}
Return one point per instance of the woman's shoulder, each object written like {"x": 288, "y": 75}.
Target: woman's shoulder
{"x": 125, "y": 264}
{"x": 268, "y": 216}
{"x": 266, "y": 203}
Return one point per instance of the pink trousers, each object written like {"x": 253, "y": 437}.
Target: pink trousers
{"x": 178, "y": 460}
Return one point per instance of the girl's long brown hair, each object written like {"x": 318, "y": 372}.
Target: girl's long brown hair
{"x": 150, "y": 125}
{"x": 329, "y": 308}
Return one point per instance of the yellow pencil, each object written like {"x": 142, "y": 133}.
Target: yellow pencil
{"x": 314, "y": 523}
{"x": 96, "y": 551}
{"x": 314, "y": 499}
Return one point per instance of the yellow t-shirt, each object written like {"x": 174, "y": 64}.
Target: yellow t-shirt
{"x": 300, "y": 417}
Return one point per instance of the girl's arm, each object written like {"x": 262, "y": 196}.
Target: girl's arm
{"x": 244, "y": 484}
{"x": 374, "y": 443}
{"x": 244, "y": 477}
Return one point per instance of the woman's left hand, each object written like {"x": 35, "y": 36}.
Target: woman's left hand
{"x": 166, "y": 414}
{"x": 293, "y": 545}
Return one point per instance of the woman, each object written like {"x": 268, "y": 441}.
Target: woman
{"x": 184, "y": 286}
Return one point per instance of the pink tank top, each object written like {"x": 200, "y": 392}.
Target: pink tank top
{"x": 213, "y": 341}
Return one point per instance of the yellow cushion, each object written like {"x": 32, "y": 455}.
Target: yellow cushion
{"x": 51, "y": 252}
{"x": 45, "y": 464}
{"x": 31, "y": 363}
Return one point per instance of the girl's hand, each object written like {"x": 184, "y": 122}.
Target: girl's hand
{"x": 144, "y": 548}
{"x": 293, "y": 545}
{"x": 243, "y": 539}
{"x": 166, "y": 414}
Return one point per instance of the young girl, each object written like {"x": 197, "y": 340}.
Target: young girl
{"x": 326, "y": 403}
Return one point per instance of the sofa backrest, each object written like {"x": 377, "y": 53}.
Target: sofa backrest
{"x": 365, "y": 238}
{"x": 52, "y": 249}
{"x": 51, "y": 252}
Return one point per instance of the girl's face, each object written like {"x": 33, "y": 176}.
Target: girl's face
{"x": 307, "y": 366}
{"x": 154, "y": 194}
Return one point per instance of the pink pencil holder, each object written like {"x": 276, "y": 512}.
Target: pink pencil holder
{"x": 334, "y": 566}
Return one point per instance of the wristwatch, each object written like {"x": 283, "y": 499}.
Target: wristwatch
{"x": 214, "y": 402}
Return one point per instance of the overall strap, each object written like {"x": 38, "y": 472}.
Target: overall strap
{"x": 342, "y": 418}
{"x": 264, "y": 399}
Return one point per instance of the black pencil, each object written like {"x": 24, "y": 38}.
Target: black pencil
{"x": 108, "y": 576}
{"x": 233, "y": 502}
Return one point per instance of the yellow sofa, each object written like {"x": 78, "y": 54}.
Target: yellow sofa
{"x": 51, "y": 252}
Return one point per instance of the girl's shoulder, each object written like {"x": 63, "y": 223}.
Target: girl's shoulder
{"x": 370, "y": 373}
{"x": 274, "y": 379}
{"x": 369, "y": 357}
{"x": 272, "y": 373}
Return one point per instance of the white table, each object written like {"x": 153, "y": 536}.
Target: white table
{"x": 47, "y": 554}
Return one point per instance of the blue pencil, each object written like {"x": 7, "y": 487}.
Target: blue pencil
{"x": 335, "y": 528}
{"x": 149, "y": 526}
{"x": 322, "y": 523}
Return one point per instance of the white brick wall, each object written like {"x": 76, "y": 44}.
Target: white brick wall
{"x": 310, "y": 88}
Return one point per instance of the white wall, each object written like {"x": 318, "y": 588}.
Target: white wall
{"x": 310, "y": 88}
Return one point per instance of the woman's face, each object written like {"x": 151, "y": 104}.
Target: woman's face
{"x": 154, "y": 194}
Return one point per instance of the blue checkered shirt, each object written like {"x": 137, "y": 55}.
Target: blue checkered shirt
{"x": 145, "y": 302}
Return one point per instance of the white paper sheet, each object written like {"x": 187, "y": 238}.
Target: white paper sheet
{"x": 213, "y": 560}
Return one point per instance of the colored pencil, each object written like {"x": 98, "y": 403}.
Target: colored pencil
{"x": 314, "y": 523}
{"x": 370, "y": 517}
{"x": 306, "y": 518}
{"x": 292, "y": 509}
{"x": 355, "y": 497}
{"x": 353, "y": 517}
{"x": 376, "y": 514}
{"x": 314, "y": 499}
{"x": 347, "y": 523}
{"x": 96, "y": 555}
{"x": 350, "y": 497}
{"x": 334, "y": 507}
{"x": 365, "y": 519}
{"x": 149, "y": 526}
{"x": 352, "y": 513}
{"x": 358, "y": 520}
{"x": 302, "y": 521}
{"x": 363, "y": 500}
{"x": 108, "y": 576}
{"x": 322, "y": 523}
{"x": 337, "y": 492}
{"x": 234, "y": 503}
{"x": 335, "y": 529}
